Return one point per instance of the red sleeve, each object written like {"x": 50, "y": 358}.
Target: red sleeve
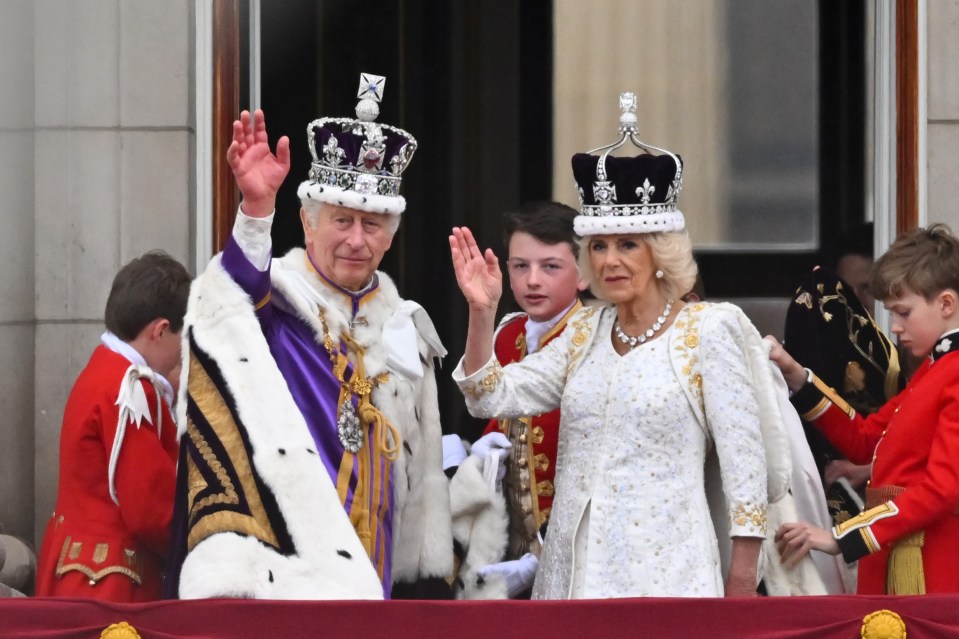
{"x": 854, "y": 435}
{"x": 145, "y": 477}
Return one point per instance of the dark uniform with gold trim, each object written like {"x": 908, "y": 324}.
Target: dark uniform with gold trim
{"x": 906, "y": 539}
{"x": 528, "y": 485}
{"x": 828, "y": 330}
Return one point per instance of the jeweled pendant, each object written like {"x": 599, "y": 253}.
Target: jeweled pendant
{"x": 371, "y": 159}
{"x": 348, "y": 427}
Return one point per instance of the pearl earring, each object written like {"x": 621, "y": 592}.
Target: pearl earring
{"x": 660, "y": 275}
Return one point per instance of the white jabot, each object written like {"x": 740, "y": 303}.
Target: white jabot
{"x": 252, "y": 234}
{"x": 120, "y": 347}
{"x": 399, "y": 334}
{"x": 132, "y": 400}
{"x": 535, "y": 330}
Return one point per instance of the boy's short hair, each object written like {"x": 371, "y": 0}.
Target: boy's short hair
{"x": 924, "y": 261}
{"x": 151, "y": 286}
{"x": 549, "y": 222}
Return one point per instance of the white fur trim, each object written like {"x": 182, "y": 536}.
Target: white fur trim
{"x": 585, "y": 225}
{"x": 231, "y": 565}
{"x": 422, "y": 536}
{"x": 220, "y": 316}
{"x": 371, "y": 203}
{"x": 480, "y": 526}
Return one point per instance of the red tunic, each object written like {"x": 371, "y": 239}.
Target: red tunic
{"x": 913, "y": 444}
{"x": 93, "y": 547}
{"x": 529, "y": 498}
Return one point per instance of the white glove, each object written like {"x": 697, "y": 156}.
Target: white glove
{"x": 487, "y": 444}
{"x": 518, "y": 574}
{"x": 454, "y": 452}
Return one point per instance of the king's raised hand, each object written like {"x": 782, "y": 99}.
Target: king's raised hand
{"x": 258, "y": 172}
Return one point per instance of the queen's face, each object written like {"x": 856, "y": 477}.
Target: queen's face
{"x": 623, "y": 267}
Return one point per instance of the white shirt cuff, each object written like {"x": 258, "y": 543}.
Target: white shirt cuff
{"x": 252, "y": 235}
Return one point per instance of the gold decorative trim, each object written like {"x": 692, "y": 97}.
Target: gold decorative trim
{"x": 545, "y": 488}
{"x": 883, "y": 624}
{"x": 476, "y": 390}
{"x": 817, "y": 411}
{"x": 581, "y": 331}
{"x": 520, "y": 345}
{"x": 255, "y": 522}
{"x": 905, "y": 574}
{"x": 750, "y": 515}
{"x": 866, "y": 518}
{"x": 263, "y": 302}
{"x": 93, "y": 575}
{"x": 121, "y": 630}
{"x": 560, "y": 326}
{"x": 686, "y": 343}
{"x": 833, "y": 396}
{"x": 541, "y": 461}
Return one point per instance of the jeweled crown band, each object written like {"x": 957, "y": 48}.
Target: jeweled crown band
{"x": 602, "y": 210}
{"x": 350, "y": 180}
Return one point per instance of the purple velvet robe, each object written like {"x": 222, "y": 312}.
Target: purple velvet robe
{"x": 307, "y": 369}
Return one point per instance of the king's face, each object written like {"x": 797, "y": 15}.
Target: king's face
{"x": 346, "y": 244}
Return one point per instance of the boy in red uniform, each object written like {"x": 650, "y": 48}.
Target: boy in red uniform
{"x": 542, "y": 251}
{"x": 905, "y": 540}
{"x": 118, "y": 449}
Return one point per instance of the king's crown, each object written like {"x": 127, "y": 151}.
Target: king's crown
{"x": 361, "y": 156}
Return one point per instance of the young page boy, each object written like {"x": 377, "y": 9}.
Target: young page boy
{"x": 118, "y": 450}
{"x": 905, "y": 540}
{"x": 541, "y": 263}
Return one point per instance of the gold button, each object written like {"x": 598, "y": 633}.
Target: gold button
{"x": 522, "y": 438}
{"x": 524, "y": 487}
{"x": 522, "y": 462}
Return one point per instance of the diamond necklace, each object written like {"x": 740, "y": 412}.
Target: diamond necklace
{"x": 633, "y": 342}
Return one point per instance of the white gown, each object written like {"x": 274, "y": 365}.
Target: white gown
{"x": 630, "y": 517}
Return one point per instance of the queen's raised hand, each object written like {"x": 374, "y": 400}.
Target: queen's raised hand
{"x": 477, "y": 272}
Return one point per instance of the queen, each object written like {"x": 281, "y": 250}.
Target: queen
{"x": 647, "y": 385}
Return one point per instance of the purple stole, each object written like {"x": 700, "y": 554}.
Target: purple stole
{"x": 363, "y": 480}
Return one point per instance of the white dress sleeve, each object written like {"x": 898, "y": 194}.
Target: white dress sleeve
{"x": 732, "y": 414}
{"x": 530, "y": 387}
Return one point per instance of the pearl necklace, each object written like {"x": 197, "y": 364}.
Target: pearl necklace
{"x": 633, "y": 342}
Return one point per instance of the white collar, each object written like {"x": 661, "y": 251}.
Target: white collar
{"x": 132, "y": 355}
{"x": 535, "y": 330}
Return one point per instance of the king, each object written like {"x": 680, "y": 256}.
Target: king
{"x": 311, "y": 460}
